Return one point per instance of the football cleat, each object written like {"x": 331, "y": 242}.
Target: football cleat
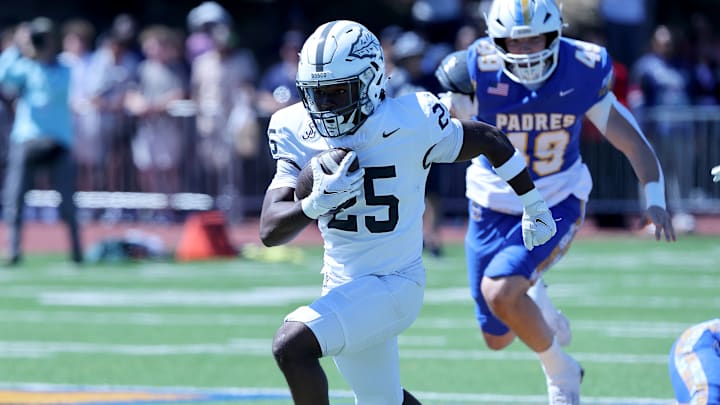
{"x": 566, "y": 391}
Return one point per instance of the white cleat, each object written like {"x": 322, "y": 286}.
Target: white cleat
{"x": 565, "y": 390}
{"x": 560, "y": 325}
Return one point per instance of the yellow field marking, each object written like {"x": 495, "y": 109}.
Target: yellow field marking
{"x": 39, "y": 398}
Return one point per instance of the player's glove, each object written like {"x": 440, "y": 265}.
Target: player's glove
{"x": 716, "y": 173}
{"x": 331, "y": 190}
{"x": 538, "y": 225}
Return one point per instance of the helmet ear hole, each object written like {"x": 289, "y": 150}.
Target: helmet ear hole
{"x": 550, "y": 37}
{"x": 501, "y": 43}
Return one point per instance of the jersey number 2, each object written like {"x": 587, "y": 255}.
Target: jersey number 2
{"x": 373, "y": 225}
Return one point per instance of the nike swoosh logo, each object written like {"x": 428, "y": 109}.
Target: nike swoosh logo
{"x": 564, "y": 93}
{"x": 541, "y": 221}
{"x": 331, "y": 192}
{"x": 387, "y": 134}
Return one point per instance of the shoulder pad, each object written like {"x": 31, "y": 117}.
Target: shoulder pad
{"x": 452, "y": 73}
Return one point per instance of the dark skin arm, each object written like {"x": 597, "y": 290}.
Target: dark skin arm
{"x": 480, "y": 138}
{"x": 282, "y": 217}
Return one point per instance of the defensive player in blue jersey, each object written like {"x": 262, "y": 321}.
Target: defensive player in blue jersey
{"x": 537, "y": 86}
{"x": 695, "y": 364}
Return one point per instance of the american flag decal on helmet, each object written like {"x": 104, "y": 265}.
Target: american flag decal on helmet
{"x": 500, "y": 89}
{"x": 365, "y": 46}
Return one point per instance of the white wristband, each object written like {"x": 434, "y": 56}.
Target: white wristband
{"x": 512, "y": 167}
{"x": 531, "y": 197}
{"x": 310, "y": 209}
{"x": 655, "y": 194}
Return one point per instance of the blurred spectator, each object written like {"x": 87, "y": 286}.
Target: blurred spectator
{"x": 77, "y": 47}
{"x": 705, "y": 74}
{"x": 42, "y": 136}
{"x": 625, "y": 27}
{"x": 659, "y": 81}
{"x": 277, "y": 86}
{"x": 200, "y": 21}
{"x": 110, "y": 75}
{"x": 438, "y": 20}
{"x": 6, "y": 110}
{"x": 162, "y": 79}
{"x": 410, "y": 74}
{"x": 659, "y": 77}
{"x": 466, "y": 35}
{"x": 388, "y": 36}
{"x": 222, "y": 86}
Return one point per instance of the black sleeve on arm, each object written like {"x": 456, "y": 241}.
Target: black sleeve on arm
{"x": 522, "y": 183}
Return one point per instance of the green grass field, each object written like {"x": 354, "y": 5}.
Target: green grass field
{"x": 205, "y": 329}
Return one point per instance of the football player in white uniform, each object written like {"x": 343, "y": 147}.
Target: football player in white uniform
{"x": 374, "y": 276}
{"x": 537, "y": 86}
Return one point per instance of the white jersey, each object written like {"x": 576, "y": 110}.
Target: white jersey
{"x": 382, "y": 232}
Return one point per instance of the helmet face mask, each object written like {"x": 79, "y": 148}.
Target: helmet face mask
{"x": 343, "y": 61}
{"x": 332, "y": 105}
{"x": 508, "y": 19}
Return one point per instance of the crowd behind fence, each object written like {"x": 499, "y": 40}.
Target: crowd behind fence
{"x": 169, "y": 122}
{"x": 687, "y": 155}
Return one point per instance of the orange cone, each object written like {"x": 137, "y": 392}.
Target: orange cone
{"x": 204, "y": 237}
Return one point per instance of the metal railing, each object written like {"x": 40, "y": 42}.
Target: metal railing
{"x": 686, "y": 139}
{"x": 687, "y": 142}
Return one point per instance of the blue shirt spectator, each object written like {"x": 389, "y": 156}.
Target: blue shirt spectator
{"x": 41, "y": 137}
{"x": 42, "y": 97}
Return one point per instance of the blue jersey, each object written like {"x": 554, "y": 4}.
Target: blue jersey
{"x": 695, "y": 364}
{"x": 543, "y": 123}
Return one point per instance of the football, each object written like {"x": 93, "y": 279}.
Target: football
{"x": 329, "y": 161}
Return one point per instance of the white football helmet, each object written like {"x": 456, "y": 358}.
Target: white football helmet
{"x": 341, "y": 53}
{"x": 522, "y": 19}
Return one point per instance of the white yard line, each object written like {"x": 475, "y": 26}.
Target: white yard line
{"x": 633, "y": 329}
{"x": 569, "y": 295}
{"x": 262, "y": 347}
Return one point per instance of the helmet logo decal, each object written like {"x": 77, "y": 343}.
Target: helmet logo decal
{"x": 526, "y": 8}
{"x": 365, "y": 46}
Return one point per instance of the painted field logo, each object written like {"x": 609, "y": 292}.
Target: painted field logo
{"x": 44, "y": 394}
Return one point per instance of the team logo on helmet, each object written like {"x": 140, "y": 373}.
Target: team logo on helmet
{"x": 365, "y": 46}
{"x": 527, "y": 10}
